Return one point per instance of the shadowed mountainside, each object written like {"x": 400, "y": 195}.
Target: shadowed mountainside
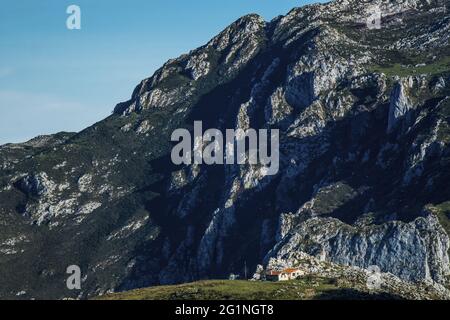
{"x": 364, "y": 161}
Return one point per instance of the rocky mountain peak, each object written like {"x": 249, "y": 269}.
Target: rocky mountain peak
{"x": 363, "y": 115}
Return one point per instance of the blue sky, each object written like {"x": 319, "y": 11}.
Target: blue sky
{"x": 54, "y": 79}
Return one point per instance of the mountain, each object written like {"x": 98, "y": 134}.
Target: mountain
{"x": 363, "y": 113}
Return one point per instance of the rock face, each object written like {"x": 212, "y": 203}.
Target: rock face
{"x": 414, "y": 251}
{"x": 399, "y": 104}
{"x": 370, "y": 279}
{"x": 363, "y": 115}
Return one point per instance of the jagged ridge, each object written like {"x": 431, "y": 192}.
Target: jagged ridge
{"x": 363, "y": 116}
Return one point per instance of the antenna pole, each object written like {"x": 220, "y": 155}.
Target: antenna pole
{"x": 245, "y": 269}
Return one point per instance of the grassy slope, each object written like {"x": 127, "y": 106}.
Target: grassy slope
{"x": 303, "y": 289}
{"x": 443, "y": 212}
{"x": 400, "y": 70}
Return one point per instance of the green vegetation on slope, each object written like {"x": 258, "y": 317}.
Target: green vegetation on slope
{"x": 397, "y": 69}
{"x": 443, "y": 213}
{"x": 307, "y": 288}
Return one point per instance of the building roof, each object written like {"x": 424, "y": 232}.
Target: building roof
{"x": 273, "y": 273}
{"x": 290, "y": 270}
{"x": 276, "y": 273}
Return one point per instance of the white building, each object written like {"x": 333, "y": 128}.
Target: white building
{"x": 284, "y": 275}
